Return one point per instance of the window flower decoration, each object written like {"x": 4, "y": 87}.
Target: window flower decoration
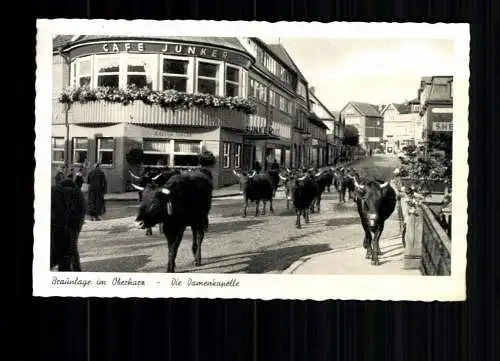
{"x": 170, "y": 99}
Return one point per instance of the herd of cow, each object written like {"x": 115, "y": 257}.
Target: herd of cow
{"x": 175, "y": 200}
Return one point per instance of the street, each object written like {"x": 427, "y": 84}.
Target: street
{"x": 264, "y": 244}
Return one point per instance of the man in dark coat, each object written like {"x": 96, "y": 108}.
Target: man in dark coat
{"x": 97, "y": 188}
{"x": 59, "y": 175}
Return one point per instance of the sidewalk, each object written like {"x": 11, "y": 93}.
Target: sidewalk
{"x": 352, "y": 261}
{"x": 232, "y": 190}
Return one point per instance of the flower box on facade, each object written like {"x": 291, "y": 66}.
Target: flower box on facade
{"x": 138, "y": 112}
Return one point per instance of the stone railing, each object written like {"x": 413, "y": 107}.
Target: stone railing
{"x": 427, "y": 246}
{"x": 436, "y": 246}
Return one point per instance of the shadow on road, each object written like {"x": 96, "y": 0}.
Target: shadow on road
{"x": 231, "y": 227}
{"x": 339, "y": 222}
{"x": 261, "y": 261}
{"x": 130, "y": 263}
{"x": 279, "y": 259}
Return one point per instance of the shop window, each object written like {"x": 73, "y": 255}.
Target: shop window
{"x": 139, "y": 72}
{"x": 58, "y": 150}
{"x": 108, "y": 71}
{"x": 105, "y": 151}
{"x": 237, "y": 156}
{"x": 186, "y": 153}
{"x": 226, "y": 155}
{"x": 80, "y": 150}
{"x": 156, "y": 152}
{"x": 232, "y": 81}
{"x": 208, "y": 74}
{"x": 175, "y": 74}
{"x": 84, "y": 71}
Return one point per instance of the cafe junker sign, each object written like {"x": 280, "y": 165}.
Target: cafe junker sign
{"x": 166, "y": 48}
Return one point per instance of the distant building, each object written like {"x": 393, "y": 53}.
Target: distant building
{"x": 368, "y": 120}
{"x": 435, "y": 96}
{"x": 402, "y": 125}
{"x": 332, "y": 143}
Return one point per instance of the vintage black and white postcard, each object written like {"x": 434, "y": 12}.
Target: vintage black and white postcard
{"x": 251, "y": 160}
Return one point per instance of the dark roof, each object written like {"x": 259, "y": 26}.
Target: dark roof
{"x": 315, "y": 98}
{"x": 440, "y": 88}
{"x": 280, "y": 51}
{"x": 61, "y": 40}
{"x": 317, "y": 120}
{"x": 414, "y": 101}
{"x": 227, "y": 42}
{"x": 366, "y": 109}
{"x": 403, "y": 108}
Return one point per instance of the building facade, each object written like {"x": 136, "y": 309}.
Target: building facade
{"x": 402, "y": 126}
{"x": 368, "y": 120}
{"x": 331, "y": 128}
{"x": 435, "y": 96}
{"x": 223, "y": 70}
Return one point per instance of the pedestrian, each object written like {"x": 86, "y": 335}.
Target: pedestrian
{"x": 79, "y": 179}
{"x": 257, "y": 167}
{"x": 97, "y": 188}
{"x": 59, "y": 175}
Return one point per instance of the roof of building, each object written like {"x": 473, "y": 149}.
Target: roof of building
{"x": 227, "y": 42}
{"x": 320, "y": 103}
{"x": 403, "y": 108}
{"x": 440, "y": 88}
{"x": 61, "y": 40}
{"x": 280, "y": 51}
{"x": 366, "y": 109}
{"x": 313, "y": 117}
{"x": 414, "y": 101}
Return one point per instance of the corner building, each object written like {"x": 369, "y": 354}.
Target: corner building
{"x": 104, "y": 132}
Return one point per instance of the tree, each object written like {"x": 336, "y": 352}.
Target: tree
{"x": 442, "y": 141}
{"x": 351, "y": 136}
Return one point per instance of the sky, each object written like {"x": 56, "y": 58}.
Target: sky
{"x": 377, "y": 71}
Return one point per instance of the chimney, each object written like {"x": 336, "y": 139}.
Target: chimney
{"x": 312, "y": 90}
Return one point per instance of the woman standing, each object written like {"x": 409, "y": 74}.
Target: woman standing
{"x": 97, "y": 188}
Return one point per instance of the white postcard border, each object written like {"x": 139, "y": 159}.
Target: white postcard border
{"x": 260, "y": 286}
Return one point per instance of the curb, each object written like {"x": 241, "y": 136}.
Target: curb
{"x": 295, "y": 265}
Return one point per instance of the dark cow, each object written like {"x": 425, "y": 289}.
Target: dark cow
{"x": 183, "y": 201}
{"x": 343, "y": 182}
{"x": 152, "y": 179}
{"x": 257, "y": 187}
{"x": 322, "y": 180}
{"x": 376, "y": 201}
{"x": 67, "y": 217}
{"x": 303, "y": 191}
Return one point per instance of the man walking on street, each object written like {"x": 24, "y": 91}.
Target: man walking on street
{"x": 97, "y": 188}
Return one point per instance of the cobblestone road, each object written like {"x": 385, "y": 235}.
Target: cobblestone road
{"x": 264, "y": 244}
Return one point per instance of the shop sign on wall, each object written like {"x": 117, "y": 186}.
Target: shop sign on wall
{"x": 166, "y": 48}
{"x": 259, "y": 130}
{"x": 442, "y": 126}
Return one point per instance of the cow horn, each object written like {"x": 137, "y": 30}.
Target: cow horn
{"x": 133, "y": 175}
{"x": 383, "y": 185}
{"x": 165, "y": 191}
{"x": 137, "y": 187}
{"x": 360, "y": 186}
{"x": 251, "y": 176}
{"x": 302, "y": 178}
{"x": 236, "y": 174}
{"x": 318, "y": 174}
{"x": 282, "y": 178}
{"x": 155, "y": 178}
{"x": 288, "y": 170}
